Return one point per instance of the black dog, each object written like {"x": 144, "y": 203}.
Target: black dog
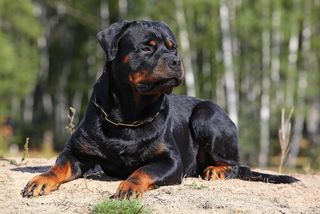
{"x": 135, "y": 129}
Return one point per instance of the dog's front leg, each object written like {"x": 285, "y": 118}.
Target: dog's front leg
{"x": 166, "y": 171}
{"x": 66, "y": 169}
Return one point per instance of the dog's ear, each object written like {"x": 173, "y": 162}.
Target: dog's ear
{"x": 109, "y": 38}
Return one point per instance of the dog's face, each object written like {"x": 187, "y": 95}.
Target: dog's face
{"x": 143, "y": 55}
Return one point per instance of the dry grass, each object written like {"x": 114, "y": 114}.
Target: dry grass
{"x": 25, "y": 153}
{"x": 284, "y": 137}
{"x": 71, "y": 126}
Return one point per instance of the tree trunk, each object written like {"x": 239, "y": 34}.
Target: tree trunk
{"x": 185, "y": 48}
{"x": 292, "y": 60}
{"x": 123, "y": 7}
{"x": 302, "y": 85}
{"x": 275, "y": 58}
{"x": 228, "y": 62}
{"x": 105, "y": 22}
{"x": 27, "y": 115}
{"x": 265, "y": 96}
{"x": 313, "y": 122}
{"x": 206, "y": 70}
{"x": 15, "y": 107}
{"x": 104, "y": 14}
{"x": 76, "y": 102}
{"x": 39, "y": 102}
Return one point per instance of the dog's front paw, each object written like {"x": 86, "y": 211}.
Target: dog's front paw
{"x": 40, "y": 185}
{"x": 128, "y": 190}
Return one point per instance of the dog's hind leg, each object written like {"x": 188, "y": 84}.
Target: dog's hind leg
{"x": 216, "y": 135}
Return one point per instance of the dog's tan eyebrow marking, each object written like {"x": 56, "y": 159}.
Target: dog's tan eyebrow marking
{"x": 171, "y": 44}
{"x": 153, "y": 42}
{"x": 126, "y": 59}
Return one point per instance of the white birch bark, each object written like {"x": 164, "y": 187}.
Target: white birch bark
{"x": 228, "y": 62}
{"x": 292, "y": 67}
{"x": 302, "y": 86}
{"x": 292, "y": 61}
{"x": 185, "y": 48}
{"x": 77, "y": 99}
{"x": 275, "y": 57}
{"x": 123, "y": 7}
{"x": 43, "y": 66}
{"x": 104, "y": 14}
{"x": 265, "y": 99}
{"x": 105, "y": 22}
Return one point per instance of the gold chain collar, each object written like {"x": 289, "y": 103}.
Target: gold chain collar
{"x": 133, "y": 124}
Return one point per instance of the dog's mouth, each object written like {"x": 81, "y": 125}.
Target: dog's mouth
{"x": 160, "y": 86}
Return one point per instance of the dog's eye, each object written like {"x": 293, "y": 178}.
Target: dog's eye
{"x": 146, "y": 49}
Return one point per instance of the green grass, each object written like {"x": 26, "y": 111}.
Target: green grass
{"x": 121, "y": 207}
{"x": 196, "y": 185}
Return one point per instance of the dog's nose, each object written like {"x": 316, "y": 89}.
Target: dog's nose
{"x": 175, "y": 63}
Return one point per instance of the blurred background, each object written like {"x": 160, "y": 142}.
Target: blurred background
{"x": 253, "y": 58}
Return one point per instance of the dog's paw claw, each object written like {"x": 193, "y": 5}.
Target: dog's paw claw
{"x": 39, "y": 185}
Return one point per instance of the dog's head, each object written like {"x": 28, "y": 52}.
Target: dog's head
{"x": 143, "y": 55}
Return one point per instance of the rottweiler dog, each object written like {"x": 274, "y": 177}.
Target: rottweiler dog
{"x": 137, "y": 130}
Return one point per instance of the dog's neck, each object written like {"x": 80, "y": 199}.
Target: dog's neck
{"x": 123, "y": 104}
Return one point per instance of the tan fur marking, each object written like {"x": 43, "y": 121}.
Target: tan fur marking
{"x": 160, "y": 149}
{"x": 126, "y": 59}
{"x": 153, "y": 43}
{"x": 135, "y": 185}
{"x": 216, "y": 172}
{"x": 170, "y": 44}
{"x": 49, "y": 181}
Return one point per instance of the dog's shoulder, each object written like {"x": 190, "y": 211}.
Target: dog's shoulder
{"x": 182, "y": 101}
{"x": 181, "y": 106}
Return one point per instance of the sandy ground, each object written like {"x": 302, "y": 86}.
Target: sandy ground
{"x": 193, "y": 196}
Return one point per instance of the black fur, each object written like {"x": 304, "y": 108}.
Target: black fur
{"x": 179, "y": 136}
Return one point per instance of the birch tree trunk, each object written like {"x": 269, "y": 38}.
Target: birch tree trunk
{"x": 105, "y": 22}
{"x": 292, "y": 59}
{"x": 302, "y": 85}
{"x": 123, "y": 7}
{"x": 313, "y": 121}
{"x": 185, "y": 48}
{"x": 228, "y": 62}
{"x": 265, "y": 95}
{"x": 220, "y": 94}
{"x": 43, "y": 69}
{"x": 42, "y": 87}
{"x": 104, "y": 14}
{"x": 275, "y": 57}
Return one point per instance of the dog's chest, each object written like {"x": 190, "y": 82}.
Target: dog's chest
{"x": 131, "y": 151}
{"x": 124, "y": 157}
{"x": 126, "y": 153}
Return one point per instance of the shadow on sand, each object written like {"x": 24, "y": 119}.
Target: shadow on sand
{"x": 32, "y": 169}
{"x": 94, "y": 174}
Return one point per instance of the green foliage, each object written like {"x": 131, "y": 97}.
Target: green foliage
{"x": 18, "y": 17}
{"x": 19, "y": 58}
{"x": 120, "y": 207}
